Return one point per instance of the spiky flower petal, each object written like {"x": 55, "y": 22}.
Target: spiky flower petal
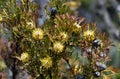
{"x": 37, "y": 34}
{"x": 58, "y": 47}
{"x": 89, "y": 35}
{"x": 46, "y": 62}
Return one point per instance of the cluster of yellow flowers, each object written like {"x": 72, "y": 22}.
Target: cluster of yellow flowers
{"x": 61, "y": 33}
{"x": 46, "y": 61}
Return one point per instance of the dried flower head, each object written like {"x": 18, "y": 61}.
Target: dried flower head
{"x": 58, "y": 47}
{"x": 37, "y": 34}
{"x": 89, "y": 35}
{"x": 25, "y": 57}
{"x": 46, "y": 62}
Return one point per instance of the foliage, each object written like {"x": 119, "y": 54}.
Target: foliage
{"x": 117, "y": 76}
{"x": 42, "y": 50}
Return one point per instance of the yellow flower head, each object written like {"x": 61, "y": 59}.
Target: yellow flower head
{"x": 37, "y": 34}
{"x": 77, "y": 27}
{"x": 0, "y": 17}
{"x": 46, "y": 62}
{"x": 58, "y": 47}
{"x": 25, "y": 57}
{"x": 89, "y": 35}
{"x": 64, "y": 36}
